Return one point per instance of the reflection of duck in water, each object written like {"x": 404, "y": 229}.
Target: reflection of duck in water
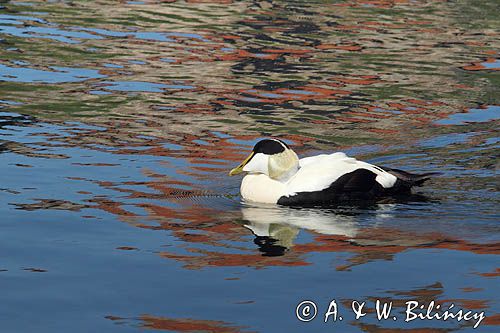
{"x": 276, "y": 175}
{"x": 276, "y": 228}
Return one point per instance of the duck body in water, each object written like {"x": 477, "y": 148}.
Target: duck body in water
{"x": 276, "y": 175}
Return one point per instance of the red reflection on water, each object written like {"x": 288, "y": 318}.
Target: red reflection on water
{"x": 188, "y": 325}
{"x": 478, "y": 66}
{"x": 495, "y": 273}
{"x": 181, "y": 324}
{"x": 492, "y": 320}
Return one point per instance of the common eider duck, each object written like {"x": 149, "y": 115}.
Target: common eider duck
{"x": 275, "y": 175}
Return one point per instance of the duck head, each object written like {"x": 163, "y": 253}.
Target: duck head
{"x": 271, "y": 157}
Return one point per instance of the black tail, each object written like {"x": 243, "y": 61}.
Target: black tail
{"x": 411, "y": 179}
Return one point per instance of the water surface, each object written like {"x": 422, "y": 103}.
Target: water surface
{"x": 119, "y": 123}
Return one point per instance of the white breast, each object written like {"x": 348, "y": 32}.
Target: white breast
{"x": 261, "y": 188}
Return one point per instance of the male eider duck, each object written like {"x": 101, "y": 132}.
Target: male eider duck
{"x": 277, "y": 176}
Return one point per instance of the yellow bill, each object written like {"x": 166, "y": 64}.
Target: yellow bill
{"x": 239, "y": 168}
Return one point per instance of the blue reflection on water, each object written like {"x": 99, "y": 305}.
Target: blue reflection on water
{"x": 299, "y": 92}
{"x": 112, "y": 66}
{"x": 447, "y": 139}
{"x": 58, "y": 75}
{"x": 271, "y": 95}
{"x": 13, "y": 19}
{"x": 3, "y": 101}
{"x": 11, "y": 25}
{"x": 492, "y": 65}
{"x": 49, "y": 33}
{"x": 167, "y": 60}
{"x": 492, "y": 112}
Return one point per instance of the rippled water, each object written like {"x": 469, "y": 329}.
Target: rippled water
{"x": 120, "y": 120}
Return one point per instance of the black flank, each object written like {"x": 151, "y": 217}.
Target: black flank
{"x": 359, "y": 185}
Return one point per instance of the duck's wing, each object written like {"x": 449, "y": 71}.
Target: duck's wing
{"x": 319, "y": 172}
{"x": 324, "y": 178}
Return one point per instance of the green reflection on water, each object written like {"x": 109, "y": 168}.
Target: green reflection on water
{"x": 377, "y": 56}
